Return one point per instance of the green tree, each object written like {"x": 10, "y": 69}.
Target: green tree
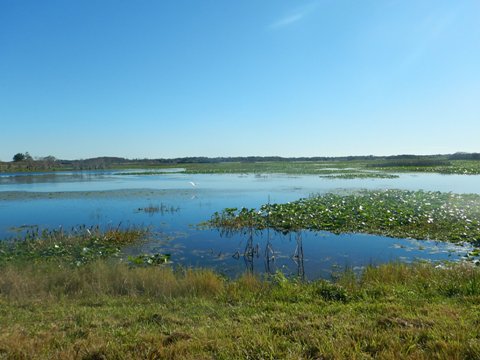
{"x": 18, "y": 157}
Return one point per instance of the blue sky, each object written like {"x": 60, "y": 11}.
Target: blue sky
{"x": 154, "y": 79}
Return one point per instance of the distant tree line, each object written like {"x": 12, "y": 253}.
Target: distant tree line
{"x": 24, "y": 161}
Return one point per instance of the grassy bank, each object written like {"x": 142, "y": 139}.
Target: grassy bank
{"x": 111, "y": 311}
{"x": 396, "y": 213}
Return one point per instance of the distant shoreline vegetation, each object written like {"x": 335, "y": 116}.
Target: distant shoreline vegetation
{"x": 458, "y": 163}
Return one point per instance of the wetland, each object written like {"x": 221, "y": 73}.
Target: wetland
{"x": 231, "y": 221}
{"x": 144, "y": 263}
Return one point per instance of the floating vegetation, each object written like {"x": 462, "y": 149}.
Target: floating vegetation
{"x": 395, "y": 213}
{"x": 360, "y": 175}
{"x": 162, "y": 209}
{"x": 21, "y": 228}
{"x": 413, "y": 163}
{"x": 79, "y": 246}
{"x": 452, "y": 167}
{"x": 338, "y": 166}
{"x": 473, "y": 256}
{"x": 165, "y": 171}
{"x": 149, "y": 259}
{"x": 474, "y": 252}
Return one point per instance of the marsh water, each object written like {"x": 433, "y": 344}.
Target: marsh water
{"x": 172, "y": 204}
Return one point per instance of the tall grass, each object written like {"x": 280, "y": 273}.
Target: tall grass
{"x": 103, "y": 278}
{"x": 106, "y": 310}
{"x": 458, "y": 280}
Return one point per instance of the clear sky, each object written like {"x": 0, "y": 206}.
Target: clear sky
{"x": 158, "y": 78}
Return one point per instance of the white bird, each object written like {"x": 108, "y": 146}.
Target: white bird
{"x": 192, "y": 183}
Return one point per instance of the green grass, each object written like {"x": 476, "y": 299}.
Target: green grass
{"x": 395, "y": 213}
{"x": 112, "y": 311}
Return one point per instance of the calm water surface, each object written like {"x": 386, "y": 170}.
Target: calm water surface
{"x": 69, "y": 199}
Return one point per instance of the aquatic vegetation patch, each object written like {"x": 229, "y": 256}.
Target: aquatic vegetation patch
{"x": 394, "y": 213}
{"x": 149, "y": 259}
{"x": 162, "y": 209}
{"x": 165, "y": 171}
{"x": 77, "y": 247}
{"x": 338, "y": 166}
{"x": 451, "y": 167}
{"x": 360, "y": 175}
{"x": 123, "y": 193}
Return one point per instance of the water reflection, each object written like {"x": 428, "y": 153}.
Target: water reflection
{"x": 269, "y": 255}
{"x": 291, "y": 258}
{"x": 161, "y": 209}
{"x": 298, "y": 256}
{"x": 251, "y": 252}
{"x": 46, "y": 178}
{"x": 311, "y": 255}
